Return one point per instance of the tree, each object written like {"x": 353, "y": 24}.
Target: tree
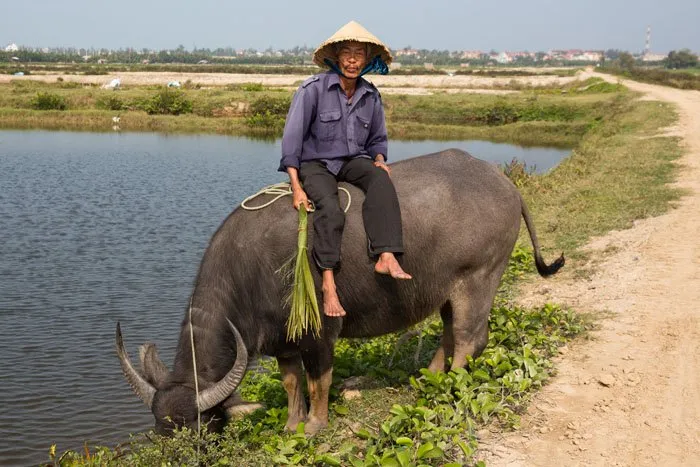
{"x": 681, "y": 59}
{"x": 626, "y": 60}
{"x": 613, "y": 54}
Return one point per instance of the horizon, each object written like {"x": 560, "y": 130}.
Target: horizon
{"x": 539, "y": 25}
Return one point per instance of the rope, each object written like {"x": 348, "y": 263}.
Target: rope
{"x": 196, "y": 383}
{"x": 279, "y": 190}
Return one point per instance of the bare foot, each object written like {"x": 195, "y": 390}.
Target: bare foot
{"x": 387, "y": 264}
{"x": 331, "y": 303}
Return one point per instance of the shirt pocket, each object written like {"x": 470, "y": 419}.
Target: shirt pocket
{"x": 362, "y": 130}
{"x": 329, "y": 125}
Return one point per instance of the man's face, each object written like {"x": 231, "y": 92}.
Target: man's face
{"x": 352, "y": 58}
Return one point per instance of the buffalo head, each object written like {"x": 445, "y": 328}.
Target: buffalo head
{"x": 176, "y": 404}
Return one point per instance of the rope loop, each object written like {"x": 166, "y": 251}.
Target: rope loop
{"x": 280, "y": 190}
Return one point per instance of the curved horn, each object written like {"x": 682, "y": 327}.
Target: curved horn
{"x": 214, "y": 395}
{"x": 141, "y": 387}
{"x": 152, "y": 367}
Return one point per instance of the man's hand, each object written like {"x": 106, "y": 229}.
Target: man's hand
{"x": 299, "y": 198}
{"x": 379, "y": 162}
{"x": 298, "y": 194}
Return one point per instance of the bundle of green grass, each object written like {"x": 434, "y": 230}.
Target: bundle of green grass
{"x": 305, "y": 316}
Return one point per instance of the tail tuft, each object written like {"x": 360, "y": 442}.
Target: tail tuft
{"x": 547, "y": 270}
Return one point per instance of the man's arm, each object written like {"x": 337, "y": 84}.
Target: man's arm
{"x": 298, "y": 121}
{"x": 298, "y": 194}
{"x": 299, "y": 118}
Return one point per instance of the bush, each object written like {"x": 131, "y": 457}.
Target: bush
{"x": 48, "y": 101}
{"x": 110, "y": 102}
{"x": 277, "y": 105}
{"x": 268, "y": 112}
{"x": 252, "y": 87}
{"x": 168, "y": 102}
{"x": 518, "y": 172}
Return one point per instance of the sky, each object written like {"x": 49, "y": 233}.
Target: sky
{"x": 513, "y": 25}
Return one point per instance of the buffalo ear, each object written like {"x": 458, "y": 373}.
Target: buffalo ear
{"x": 152, "y": 367}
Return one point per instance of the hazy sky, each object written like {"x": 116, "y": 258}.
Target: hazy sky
{"x": 432, "y": 24}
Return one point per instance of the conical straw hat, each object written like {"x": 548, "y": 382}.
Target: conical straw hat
{"x": 353, "y": 31}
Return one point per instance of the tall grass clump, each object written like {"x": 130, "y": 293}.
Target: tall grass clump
{"x": 48, "y": 101}
{"x": 268, "y": 112}
{"x": 110, "y": 102}
{"x": 168, "y": 101}
{"x": 518, "y": 172}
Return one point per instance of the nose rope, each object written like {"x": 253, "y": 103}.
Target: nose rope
{"x": 280, "y": 190}
{"x": 196, "y": 383}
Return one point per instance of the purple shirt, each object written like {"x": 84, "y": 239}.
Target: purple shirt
{"x": 323, "y": 125}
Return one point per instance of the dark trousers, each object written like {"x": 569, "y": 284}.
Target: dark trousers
{"x": 380, "y": 211}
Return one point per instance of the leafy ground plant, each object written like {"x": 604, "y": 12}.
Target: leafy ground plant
{"x": 432, "y": 421}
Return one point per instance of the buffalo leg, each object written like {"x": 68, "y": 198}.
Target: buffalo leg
{"x": 291, "y": 371}
{"x": 447, "y": 343}
{"x": 319, "y": 375}
{"x": 471, "y": 301}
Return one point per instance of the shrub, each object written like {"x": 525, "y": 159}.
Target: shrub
{"x": 48, "y": 101}
{"x": 277, "y": 105}
{"x": 518, "y": 172}
{"x": 110, "y": 102}
{"x": 252, "y": 87}
{"x": 265, "y": 120}
{"x": 268, "y": 112}
{"x": 168, "y": 102}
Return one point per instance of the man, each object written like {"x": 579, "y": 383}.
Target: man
{"x": 335, "y": 131}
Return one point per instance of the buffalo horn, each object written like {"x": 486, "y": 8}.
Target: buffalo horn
{"x": 214, "y": 395}
{"x": 138, "y": 383}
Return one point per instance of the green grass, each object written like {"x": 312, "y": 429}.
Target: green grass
{"x": 617, "y": 174}
{"x": 551, "y": 116}
{"x": 402, "y": 418}
{"x": 682, "y": 79}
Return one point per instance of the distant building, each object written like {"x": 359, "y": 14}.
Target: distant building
{"x": 12, "y": 48}
{"x": 428, "y": 66}
{"x": 470, "y": 55}
{"x": 406, "y": 53}
{"x": 652, "y": 57}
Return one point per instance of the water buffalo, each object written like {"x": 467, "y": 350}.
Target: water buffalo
{"x": 461, "y": 219}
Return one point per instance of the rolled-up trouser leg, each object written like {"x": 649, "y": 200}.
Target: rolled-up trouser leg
{"x": 381, "y": 212}
{"x": 329, "y": 219}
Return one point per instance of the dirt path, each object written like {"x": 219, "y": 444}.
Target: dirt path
{"x": 631, "y": 395}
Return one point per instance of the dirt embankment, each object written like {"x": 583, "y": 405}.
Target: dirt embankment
{"x": 631, "y": 395}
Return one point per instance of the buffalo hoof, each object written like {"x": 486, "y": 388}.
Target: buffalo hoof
{"x": 314, "y": 425}
{"x": 292, "y": 424}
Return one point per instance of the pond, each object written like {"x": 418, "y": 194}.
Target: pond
{"x": 101, "y": 227}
